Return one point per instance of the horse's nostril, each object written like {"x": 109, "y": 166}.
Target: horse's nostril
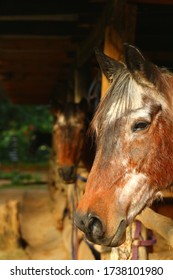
{"x": 90, "y": 224}
{"x": 95, "y": 227}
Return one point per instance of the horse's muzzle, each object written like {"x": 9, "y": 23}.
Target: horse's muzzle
{"x": 91, "y": 225}
{"x": 67, "y": 173}
{"x": 95, "y": 230}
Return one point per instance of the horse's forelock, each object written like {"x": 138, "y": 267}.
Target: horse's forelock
{"x": 122, "y": 96}
{"x": 126, "y": 93}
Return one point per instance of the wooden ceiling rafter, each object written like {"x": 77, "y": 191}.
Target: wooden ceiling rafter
{"x": 155, "y": 2}
{"x": 38, "y": 43}
{"x": 42, "y": 41}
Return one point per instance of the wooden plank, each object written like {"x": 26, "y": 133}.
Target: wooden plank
{"x": 16, "y": 7}
{"x": 47, "y": 72}
{"x": 159, "y": 2}
{"x": 41, "y": 28}
{"x": 40, "y": 17}
{"x": 32, "y": 36}
{"x": 48, "y": 69}
{"x": 22, "y": 79}
{"x": 33, "y": 77}
{"x": 34, "y": 58}
{"x": 36, "y": 43}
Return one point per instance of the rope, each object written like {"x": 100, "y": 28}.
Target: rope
{"x": 74, "y": 236}
{"x": 83, "y": 179}
{"x": 74, "y": 202}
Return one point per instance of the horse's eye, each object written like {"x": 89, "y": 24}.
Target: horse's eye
{"x": 141, "y": 125}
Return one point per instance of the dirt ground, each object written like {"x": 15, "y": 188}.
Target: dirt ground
{"x": 9, "y": 192}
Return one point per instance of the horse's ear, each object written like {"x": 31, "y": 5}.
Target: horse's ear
{"x": 133, "y": 58}
{"x": 108, "y": 65}
{"x": 136, "y": 63}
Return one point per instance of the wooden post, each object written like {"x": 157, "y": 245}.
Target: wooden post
{"x": 120, "y": 29}
{"x": 80, "y": 83}
{"x": 113, "y": 48}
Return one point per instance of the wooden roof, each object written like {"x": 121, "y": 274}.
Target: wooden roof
{"x": 42, "y": 41}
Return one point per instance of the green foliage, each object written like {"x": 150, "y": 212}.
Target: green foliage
{"x": 18, "y": 122}
{"x": 22, "y": 116}
{"x": 19, "y": 178}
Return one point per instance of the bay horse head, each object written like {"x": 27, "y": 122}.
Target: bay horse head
{"x": 69, "y": 129}
{"x": 134, "y": 135}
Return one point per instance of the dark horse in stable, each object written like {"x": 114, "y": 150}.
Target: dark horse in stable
{"x": 68, "y": 140}
{"x": 134, "y": 158}
{"x": 70, "y": 143}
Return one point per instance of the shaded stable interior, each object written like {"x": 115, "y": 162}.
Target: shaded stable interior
{"x": 47, "y": 49}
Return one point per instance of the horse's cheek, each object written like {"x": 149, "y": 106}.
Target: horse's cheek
{"x": 138, "y": 150}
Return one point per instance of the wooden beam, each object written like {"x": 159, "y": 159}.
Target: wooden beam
{"x": 36, "y": 43}
{"x": 48, "y": 69}
{"x": 34, "y": 36}
{"x": 158, "y": 2}
{"x": 42, "y": 17}
{"x": 36, "y": 57}
{"x": 49, "y": 7}
{"x": 42, "y": 28}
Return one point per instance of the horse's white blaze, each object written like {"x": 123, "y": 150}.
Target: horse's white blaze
{"x": 135, "y": 194}
{"x": 144, "y": 113}
{"x": 125, "y": 162}
{"x": 134, "y": 182}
